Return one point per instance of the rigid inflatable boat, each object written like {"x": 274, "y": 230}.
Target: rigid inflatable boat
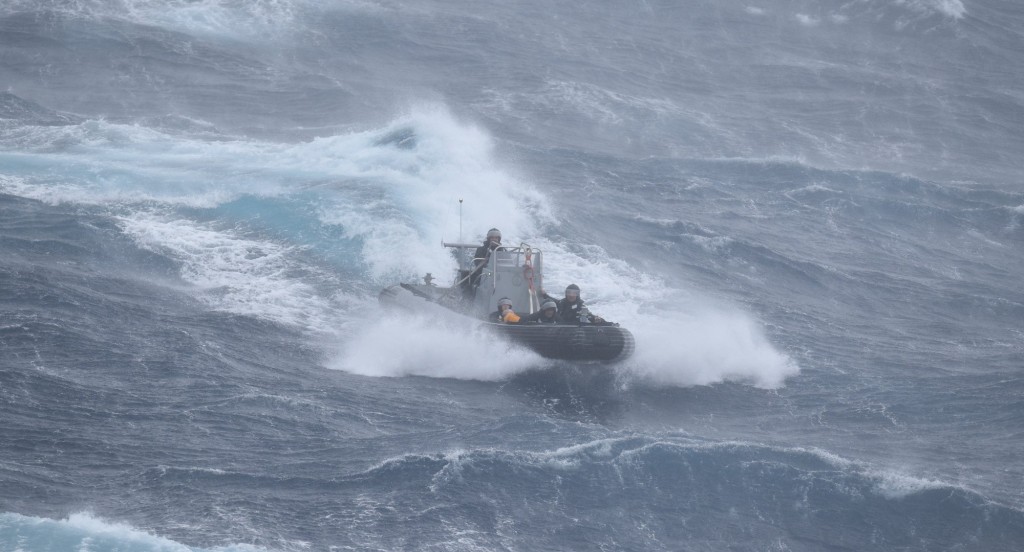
{"x": 515, "y": 273}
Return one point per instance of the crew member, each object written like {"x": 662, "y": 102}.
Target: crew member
{"x": 571, "y": 306}
{"x": 505, "y": 313}
{"x": 548, "y": 313}
{"x": 483, "y": 254}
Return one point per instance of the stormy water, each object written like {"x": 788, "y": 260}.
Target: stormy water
{"x": 809, "y": 213}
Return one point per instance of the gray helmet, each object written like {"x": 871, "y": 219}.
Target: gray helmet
{"x": 549, "y": 304}
{"x": 504, "y": 301}
{"x": 494, "y": 233}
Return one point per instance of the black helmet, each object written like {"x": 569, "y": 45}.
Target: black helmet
{"x": 494, "y": 233}
{"x": 574, "y": 288}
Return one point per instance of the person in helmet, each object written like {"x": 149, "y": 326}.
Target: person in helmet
{"x": 483, "y": 254}
{"x": 571, "y": 307}
{"x": 505, "y": 313}
{"x": 548, "y": 313}
{"x": 490, "y": 244}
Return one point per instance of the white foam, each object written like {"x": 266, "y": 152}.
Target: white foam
{"x": 893, "y": 485}
{"x": 887, "y": 482}
{"x": 705, "y": 346}
{"x": 949, "y": 8}
{"x": 101, "y": 163}
{"x": 600, "y": 448}
{"x": 397, "y": 188}
{"x": 395, "y": 191}
{"x": 218, "y": 18}
{"x": 392, "y": 245}
{"x": 84, "y": 531}
{"x": 441, "y": 347}
{"x": 682, "y": 339}
{"x": 806, "y": 20}
{"x": 400, "y": 198}
{"x": 713, "y": 244}
{"x": 244, "y": 276}
{"x": 411, "y": 194}
{"x": 815, "y": 188}
{"x": 674, "y": 348}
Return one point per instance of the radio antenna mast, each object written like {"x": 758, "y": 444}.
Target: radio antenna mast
{"x": 460, "y": 220}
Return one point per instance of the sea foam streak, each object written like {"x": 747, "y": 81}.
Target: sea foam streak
{"x": 85, "y": 532}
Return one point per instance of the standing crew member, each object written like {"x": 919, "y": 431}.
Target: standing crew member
{"x": 483, "y": 254}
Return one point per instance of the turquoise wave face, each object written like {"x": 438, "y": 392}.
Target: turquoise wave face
{"x": 79, "y": 531}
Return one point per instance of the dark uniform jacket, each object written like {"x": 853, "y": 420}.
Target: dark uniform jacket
{"x": 568, "y": 313}
{"x": 482, "y": 254}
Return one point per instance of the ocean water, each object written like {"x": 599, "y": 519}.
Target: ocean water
{"x": 810, "y": 214}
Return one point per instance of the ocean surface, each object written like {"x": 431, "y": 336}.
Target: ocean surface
{"x": 809, "y": 213}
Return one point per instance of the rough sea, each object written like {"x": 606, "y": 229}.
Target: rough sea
{"x": 809, "y": 213}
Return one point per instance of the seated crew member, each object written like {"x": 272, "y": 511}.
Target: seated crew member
{"x": 548, "y": 313}
{"x": 483, "y": 254}
{"x": 504, "y": 313}
{"x": 571, "y": 306}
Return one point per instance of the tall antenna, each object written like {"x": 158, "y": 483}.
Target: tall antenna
{"x": 460, "y": 220}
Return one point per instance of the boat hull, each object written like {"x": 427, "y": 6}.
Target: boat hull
{"x": 583, "y": 342}
{"x": 578, "y": 342}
